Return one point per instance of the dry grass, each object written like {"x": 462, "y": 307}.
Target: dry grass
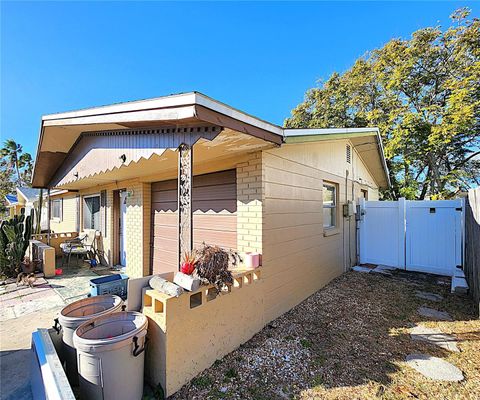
{"x": 349, "y": 341}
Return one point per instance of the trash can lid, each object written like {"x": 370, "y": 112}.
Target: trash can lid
{"x": 110, "y": 331}
{"x": 85, "y": 309}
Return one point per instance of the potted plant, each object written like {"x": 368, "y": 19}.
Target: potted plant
{"x": 213, "y": 264}
{"x": 186, "y": 278}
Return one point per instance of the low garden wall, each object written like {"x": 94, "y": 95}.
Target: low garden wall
{"x": 187, "y": 334}
{"x": 55, "y": 239}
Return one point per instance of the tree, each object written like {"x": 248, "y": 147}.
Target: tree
{"x": 11, "y": 151}
{"x": 424, "y": 95}
{"x": 15, "y": 170}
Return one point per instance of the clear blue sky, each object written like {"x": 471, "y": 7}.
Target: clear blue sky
{"x": 258, "y": 57}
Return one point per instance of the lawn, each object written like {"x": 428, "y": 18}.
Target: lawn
{"x": 349, "y": 341}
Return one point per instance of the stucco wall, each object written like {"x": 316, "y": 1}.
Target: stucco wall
{"x": 68, "y": 222}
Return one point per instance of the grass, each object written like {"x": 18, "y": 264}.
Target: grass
{"x": 352, "y": 338}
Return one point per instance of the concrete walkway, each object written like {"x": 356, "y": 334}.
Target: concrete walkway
{"x": 22, "y": 311}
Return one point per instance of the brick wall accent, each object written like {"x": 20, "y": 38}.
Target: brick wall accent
{"x": 249, "y": 204}
{"x": 134, "y": 230}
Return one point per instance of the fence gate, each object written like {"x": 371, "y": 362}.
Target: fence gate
{"x": 424, "y": 236}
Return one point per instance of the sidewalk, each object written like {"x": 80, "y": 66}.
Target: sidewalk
{"x": 23, "y": 310}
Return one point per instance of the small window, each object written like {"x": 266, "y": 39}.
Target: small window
{"x": 56, "y": 208}
{"x": 91, "y": 212}
{"x": 364, "y": 193}
{"x": 329, "y": 205}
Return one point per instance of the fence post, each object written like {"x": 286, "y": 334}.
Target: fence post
{"x": 402, "y": 226}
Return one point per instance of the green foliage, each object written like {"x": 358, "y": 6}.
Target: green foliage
{"x": 15, "y": 170}
{"x": 424, "y": 95}
{"x": 15, "y": 236}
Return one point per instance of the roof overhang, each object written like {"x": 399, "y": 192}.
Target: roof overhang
{"x": 60, "y": 132}
{"x": 366, "y": 141}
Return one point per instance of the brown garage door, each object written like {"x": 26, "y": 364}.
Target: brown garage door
{"x": 214, "y": 216}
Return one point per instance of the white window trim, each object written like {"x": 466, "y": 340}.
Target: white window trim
{"x": 83, "y": 207}
{"x": 335, "y": 206}
{"x": 53, "y": 218}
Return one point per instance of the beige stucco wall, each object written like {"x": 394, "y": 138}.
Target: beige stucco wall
{"x": 299, "y": 256}
{"x": 68, "y": 223}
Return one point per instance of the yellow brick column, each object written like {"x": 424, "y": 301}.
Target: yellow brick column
{"x": 249, "y": 204}
{"x": 138, "y": 229}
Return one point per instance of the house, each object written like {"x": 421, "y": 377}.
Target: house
{"x": 12, "y": 205}
{"x": 60, "y": 201}
{"x": 245, "y": 184}
{"x": 26, "y": 198}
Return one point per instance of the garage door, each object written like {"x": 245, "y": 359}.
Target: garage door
{"x": 214, "y": 216}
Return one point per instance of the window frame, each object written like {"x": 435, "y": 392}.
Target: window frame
{"x": 334, "y": 206}
{"x": 53, "y": 216}
{"x": 84, "y": 204}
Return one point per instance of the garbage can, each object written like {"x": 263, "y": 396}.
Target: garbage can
{"x": 110, "y": 356}
{"x": 73, "y": 316}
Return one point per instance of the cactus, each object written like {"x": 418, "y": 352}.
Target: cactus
{"x": 15, "y": 237}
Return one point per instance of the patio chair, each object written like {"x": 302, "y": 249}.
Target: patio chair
{"x": 81, "y": 246}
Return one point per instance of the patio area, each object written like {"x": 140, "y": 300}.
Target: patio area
{"x": 350, "y": 340}
{"x": 24, "y": 309}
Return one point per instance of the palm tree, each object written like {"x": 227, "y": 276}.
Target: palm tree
{"x": 11, "y": 151}
{"x": 25, "y": 163}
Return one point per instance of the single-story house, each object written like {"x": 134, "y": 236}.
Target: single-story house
{"x": 245, "y": 184}
{"x": 26, "y": 198}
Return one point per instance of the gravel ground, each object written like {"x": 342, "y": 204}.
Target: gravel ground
{"x": 349, "y": 341}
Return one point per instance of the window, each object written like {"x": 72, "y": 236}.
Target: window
{"x": 91, "y": 212}
{"x": 56, "y": 208}
{"x": 329, "y": 205}
{"x": 364, "y": 193}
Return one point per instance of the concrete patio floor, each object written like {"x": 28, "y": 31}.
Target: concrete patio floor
{"x": 23, "y": 310}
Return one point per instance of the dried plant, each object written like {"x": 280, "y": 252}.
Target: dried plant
{"x": 212, "y": 266}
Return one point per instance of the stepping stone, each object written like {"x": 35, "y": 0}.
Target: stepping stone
{"x": 434, "y": 314}
{"x": 434, "y": 368}
{"x": 428, "y": 296}
{"x": 384, "y": 270}
{"x": 361, "y": 269}
{"x": 434, "y": 336}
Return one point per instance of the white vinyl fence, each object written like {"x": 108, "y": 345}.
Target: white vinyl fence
{"x": 424, "y": 236}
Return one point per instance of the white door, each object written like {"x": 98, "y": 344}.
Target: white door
{"x": 122, "y": 230}
{"x": 433, "y": 236}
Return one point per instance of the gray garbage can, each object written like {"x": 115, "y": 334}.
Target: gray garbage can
{"x": 110, "y": 356}
{"x": 73, "y": 316}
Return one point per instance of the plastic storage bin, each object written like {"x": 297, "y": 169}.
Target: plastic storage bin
{"x": 111, "y": 284}
{"x": 76, "y": 314}
{"x": 110, "y": 351}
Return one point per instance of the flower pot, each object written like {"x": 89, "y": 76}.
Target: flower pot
{"x": 188, "y": 282}
{"x": 252, "y": 260}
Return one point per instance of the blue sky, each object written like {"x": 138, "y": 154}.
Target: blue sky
{"x": 258, "y": 57}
